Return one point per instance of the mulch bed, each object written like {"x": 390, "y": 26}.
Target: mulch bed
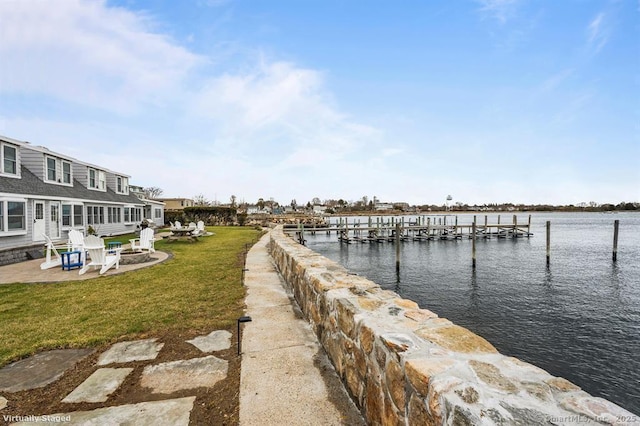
{"x": 218, "y": 405}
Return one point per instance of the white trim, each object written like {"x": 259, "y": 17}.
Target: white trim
{"x": 100, "y": 179}
{"x": 2, "y": 171}
{"x": 51, "y": 223}
{"x": 5, "y": 217}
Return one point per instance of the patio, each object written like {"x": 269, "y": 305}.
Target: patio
{"x": 30, "y": 272}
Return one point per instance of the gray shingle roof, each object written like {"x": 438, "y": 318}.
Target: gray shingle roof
{"x": 29, "y": 184}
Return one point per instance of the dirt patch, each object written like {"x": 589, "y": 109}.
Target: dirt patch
{"x": 217, "y": 405}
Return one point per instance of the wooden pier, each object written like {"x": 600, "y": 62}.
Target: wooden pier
{"x": 444, "y": 227}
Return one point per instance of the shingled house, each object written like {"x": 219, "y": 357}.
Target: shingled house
{"x": 47, "y": 193}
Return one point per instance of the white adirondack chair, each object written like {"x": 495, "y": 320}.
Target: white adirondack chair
{"x": 51, "y": 248}
{"x": 76, "y": 243}
{"x": 145, "y": 242}
{"x": 76, "y": 240}
{"x": 99, "y": 255}
{"x": 177, "y": 225}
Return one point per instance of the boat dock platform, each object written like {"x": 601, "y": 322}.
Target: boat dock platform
{"x": 422, "y": 229}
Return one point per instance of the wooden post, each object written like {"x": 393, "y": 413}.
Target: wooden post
{"x": 473, "y": 244}
{"x": 616, "y": 224}
{"x": 397, "y": 247}
{"x": 485, "y": 226}
{"x": 548, "y": 242}
{"x": 301, "y": 236}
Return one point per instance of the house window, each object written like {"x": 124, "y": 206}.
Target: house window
{"x": 57, "y": 170}
{"x": 122, "y": 185}
{"x": 66, "y": 214}
{"x": 97, "y": 179}
{"x": 66, "y": 172}
{"x": 113, "y": 214}
{"x": 132, "y": 214}
{"x": 14, "y": 217}
{"x": 1, "y": 216}
{"x": 95, "y": 215}
{"x": 77, "y": 215}
{"x": 157, "y": 213}
{"x": 51, "y": 169}
{"x": 9, "y": 164}
{"x": 101, "y": 180}
{"x": 92, "y": 178}
{"x": 71, "y": 215}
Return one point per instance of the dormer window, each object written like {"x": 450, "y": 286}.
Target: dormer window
{"x": 9, "y": 159}
{"x": 122, "y": 185}
{"x": 57, "y": 170}
{"x": 66, "y": 172}
{"x": 51, "y": 169}
{"x": 97, "y": 180}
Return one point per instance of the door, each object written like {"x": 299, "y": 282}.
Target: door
{"x": 38, "y": 221}
{"x": 54, "y": 221}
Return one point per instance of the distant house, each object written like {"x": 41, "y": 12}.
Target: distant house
{"x": 47, "y": 193}
{"x": 319, "y": 210}
{"x": 253, "y": 209}
{"x": 383, "y": 206}
{"x": 174, "y": 204}
{"x": 153, "y": 209}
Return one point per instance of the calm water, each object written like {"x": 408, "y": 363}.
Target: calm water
{"x": 579, "y": 319}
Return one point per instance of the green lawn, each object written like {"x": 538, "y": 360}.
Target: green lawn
{"x": 199, "y": 288}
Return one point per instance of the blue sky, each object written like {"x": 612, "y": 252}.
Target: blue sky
{"x": 490, "y": 100}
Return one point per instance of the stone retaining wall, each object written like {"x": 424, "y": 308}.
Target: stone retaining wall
{"x": 405, "y": 365}
{"x": 10, "y": 256}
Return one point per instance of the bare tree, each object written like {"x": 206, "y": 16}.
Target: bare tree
{"x": 153, "y": 192}
{"x": 200, "y": 200}
{"x": 233, "y": 201}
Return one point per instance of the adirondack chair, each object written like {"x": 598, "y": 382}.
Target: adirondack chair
{"x": 145, "y": 242}
{"x": 99, "y": 255}
{"x": 76, "y": 240}
{"x": 177, "y": 225}
{"x": 51, "y": 248}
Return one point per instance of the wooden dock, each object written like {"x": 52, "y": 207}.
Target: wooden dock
{"x": 443, "y": 227}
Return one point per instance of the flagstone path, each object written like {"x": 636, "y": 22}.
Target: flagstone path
{"x": 161, "y": 378}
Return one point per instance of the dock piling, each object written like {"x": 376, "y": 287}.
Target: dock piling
{"x": 473, "y": 244}
{"x": 548, "y": 242}
{"x": 616, "y": 225}
{"x": 397, "y": 247}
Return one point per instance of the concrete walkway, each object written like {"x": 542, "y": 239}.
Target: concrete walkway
{"x": 286, "y": 376}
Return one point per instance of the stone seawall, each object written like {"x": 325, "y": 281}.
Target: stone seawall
{"x": 405, "y": 365}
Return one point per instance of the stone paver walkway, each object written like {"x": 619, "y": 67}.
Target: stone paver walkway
{"x": 40, "y": 369}
{"x": 139, "y": 350}
{"x": 173, "y": 412}
{"x": 97, "y": 388}
{"x": 162, "y": 378}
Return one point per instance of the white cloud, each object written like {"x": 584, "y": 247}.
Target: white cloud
{"x": 501, "y": 10}
{"x": 555, "y": 81}
{"x": 283, "y": 106}
{"x": 87, "y": 53}
{"x": 597, "y": 33}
